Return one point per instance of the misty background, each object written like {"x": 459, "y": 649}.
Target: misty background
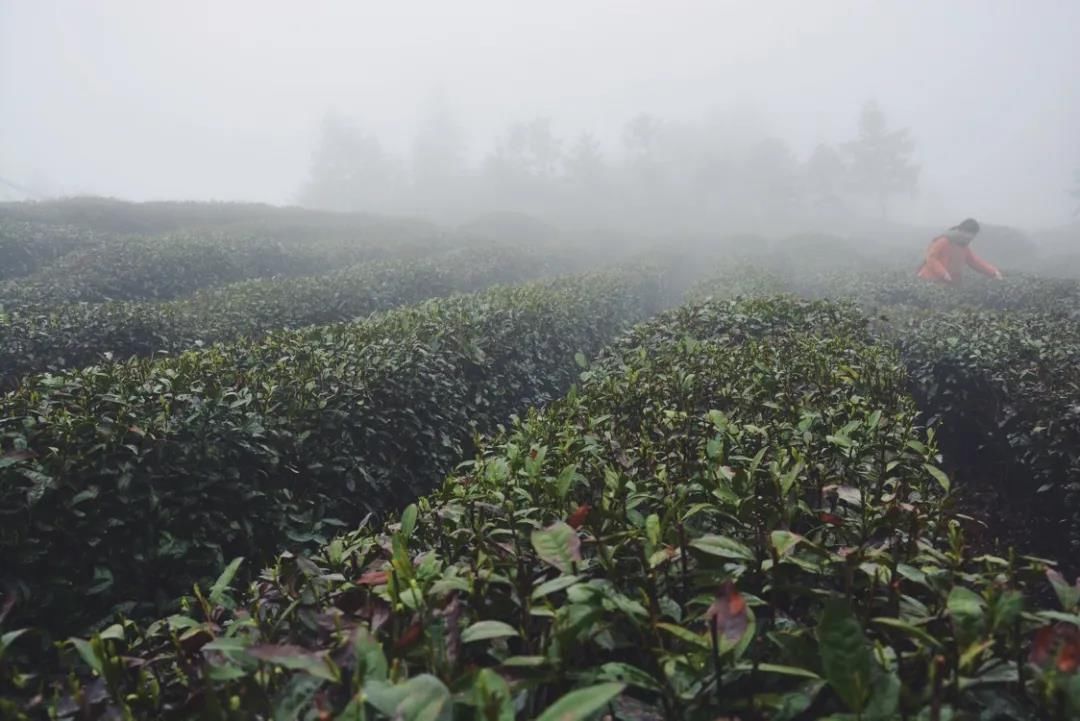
{"x": 728, "y": 117}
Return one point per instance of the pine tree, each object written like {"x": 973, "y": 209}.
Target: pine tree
{"x": 880, "y": 159}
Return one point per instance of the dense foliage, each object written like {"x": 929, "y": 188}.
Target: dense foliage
{"x": 994, "y": 367}
{"x": 74, "y": 335}
{"x": 127, "y": 481}
{"x": 118, "y": 217}
{"x": 736, "y": 515}
{"x": 25, "y": 247}
{"x": 178, "y": 264}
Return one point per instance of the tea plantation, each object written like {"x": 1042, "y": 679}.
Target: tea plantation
{"x": 477, "y": 482}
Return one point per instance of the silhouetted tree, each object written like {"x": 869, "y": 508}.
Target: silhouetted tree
{"x": 770, "y": 181}
{"x": 1075, "y": 193}
{"x": 438, "y": 150}
{"x": 349, "y": 170}
{"x": 826, "y": 175}
{"x": 585, "y": 165}
{"x": 880, "y": 159}
{"x": 524, "y": 166}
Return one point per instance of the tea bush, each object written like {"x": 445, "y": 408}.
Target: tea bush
{"x": 178, "y": 264}
{"x": 25, "y": 247}
{"x": 111, "y": 216}
{"x": 127, "y": 481}
{"x": 66, "y": 336}
{"x": 736, "y": 515}
{"x": 994, "y": 367}
{"x": 1005, "y": 391}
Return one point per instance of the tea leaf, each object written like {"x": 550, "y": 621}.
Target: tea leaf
{"x": 421, "y": 698}
{"x": 784, "y": 541}
{"x": 939, "y": 476}
{"x": 218, "y": 592}
{"x": 408, "y": 520}
{"x": 558, "y": 545}
{"x": 722, "y": 546}
{"x": 1068, "y": 595}
{"x": 316, "y": 664}
{"x": 483, "y": 630}
{"x": 845, "y": 655}
{"x": 580, "y": 704}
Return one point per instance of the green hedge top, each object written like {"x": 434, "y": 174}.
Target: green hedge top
{"x": 127, "y": 481}
{"x": 745, "y": 524}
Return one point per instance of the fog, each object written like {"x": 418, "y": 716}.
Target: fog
{"x": 685, "y": 115}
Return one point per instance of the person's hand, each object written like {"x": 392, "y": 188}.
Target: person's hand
{"x": 998, "y": 275}
{"x": 948, "y": 277}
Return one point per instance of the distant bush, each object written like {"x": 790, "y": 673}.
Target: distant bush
{"x": 72, "y": 335}
{"x": 27, "y": 247}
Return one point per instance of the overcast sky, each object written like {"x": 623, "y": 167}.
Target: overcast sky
{"x": 221, "y": 98}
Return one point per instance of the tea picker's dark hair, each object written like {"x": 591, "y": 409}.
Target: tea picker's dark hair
{"x": 968, "y": 226}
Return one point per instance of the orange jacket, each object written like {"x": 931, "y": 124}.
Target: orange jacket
{"x": 945, "y": 261}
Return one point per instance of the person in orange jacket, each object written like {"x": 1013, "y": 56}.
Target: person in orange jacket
{"x": 951, "y": 251}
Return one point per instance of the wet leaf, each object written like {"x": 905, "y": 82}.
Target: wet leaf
{"x": 845, "y": 655}
{"x": 722, "y": 546}
{"x": 483, "y": 630}
{"x": 558, "y": 545}
{"x": 580, "y": 704}
{"x": 316, "y": 664}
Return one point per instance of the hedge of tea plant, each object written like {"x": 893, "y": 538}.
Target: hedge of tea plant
{"x": 175, "y": 265}
{"x": 26, "y": 247}
{"x": 119, "y": 217}
{"x": 125, "y": 482}
{"x": 36, "y": 340}
{"x": 1005, "y": 390}
{"x": 735, "y": 516}
{"x": 994, "y": 366}
{"x": 96, "y": 249}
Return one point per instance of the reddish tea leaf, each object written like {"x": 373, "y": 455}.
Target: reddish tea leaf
{"x": 533, "y": 453}
{"x": 727, "y": 614}
{"x": 1069, "y": 658}
{"x": 323, "y": 707}
{"x": 831, "y": 518}
{"x": 23, "y": 454}
{"x": 578, "y": 517}
{"x": 452, "y": 614}
{"x": 373, "y": 578}
{"x": 1058, "y": 645}
{"x": 409, "y": 637}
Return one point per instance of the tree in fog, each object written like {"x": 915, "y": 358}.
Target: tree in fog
{"x": 771, "y": 183}
{"x": 438, "y": 158}
{"x": 1075, "y": 193}
{"x": 642, "y": 138}
{"x": 880, "y": 159}
{"x": 587, "y": 177}
{"x": 524, "y": 165}
{"x": 826, "y": 175}
{"x": 585, "y": 164}
{"x": 349, "y": 170}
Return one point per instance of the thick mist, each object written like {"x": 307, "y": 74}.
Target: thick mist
{"x": 683, "y": 116}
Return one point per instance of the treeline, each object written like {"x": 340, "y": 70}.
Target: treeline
{"x": 726, "y": 171}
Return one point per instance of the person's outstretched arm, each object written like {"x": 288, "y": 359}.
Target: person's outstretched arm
{"x": 981, "y": 265}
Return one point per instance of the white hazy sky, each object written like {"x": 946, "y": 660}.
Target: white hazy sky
{"x": 221, "y": 99}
